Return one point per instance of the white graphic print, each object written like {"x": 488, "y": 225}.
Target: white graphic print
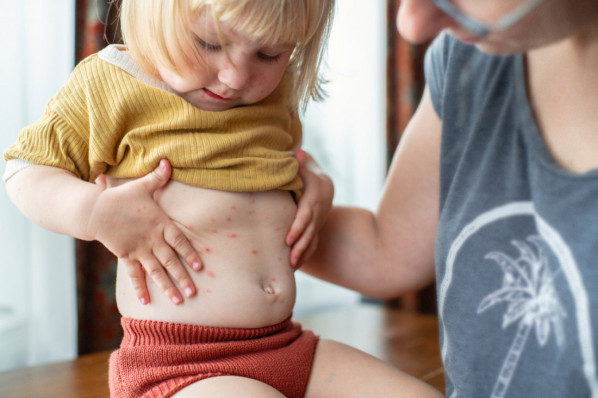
{"x": 528, "y": 290}
{"x": 580, "y": 318}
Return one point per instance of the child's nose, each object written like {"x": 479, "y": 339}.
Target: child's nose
{"x": 234, "y": 74}
{"x": 420, "y": 20}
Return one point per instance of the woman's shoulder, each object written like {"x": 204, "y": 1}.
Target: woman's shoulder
{"x": 446, "y": 52}
{"x": 452, "y": 67}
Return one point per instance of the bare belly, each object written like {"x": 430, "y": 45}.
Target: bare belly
{"x": 247, "y": 280}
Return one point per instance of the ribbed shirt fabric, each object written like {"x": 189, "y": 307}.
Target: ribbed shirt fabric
{"x": 107, "y": 120}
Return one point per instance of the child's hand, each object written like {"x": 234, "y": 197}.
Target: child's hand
{"x": 129, "y": 222}
{"x": 313, "y": 208}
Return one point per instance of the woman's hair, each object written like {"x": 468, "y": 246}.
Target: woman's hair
{"x": 159, "y": 32}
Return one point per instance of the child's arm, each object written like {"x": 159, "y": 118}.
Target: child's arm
{"x": 126, "y": 219}
{"x": 313, "y": 208}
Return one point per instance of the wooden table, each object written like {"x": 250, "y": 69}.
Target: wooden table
{"x": 407, "y": 340}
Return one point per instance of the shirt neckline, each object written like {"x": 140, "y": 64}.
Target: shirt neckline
{"x": 116, "y": 54}
{"x": 541, "y": 155}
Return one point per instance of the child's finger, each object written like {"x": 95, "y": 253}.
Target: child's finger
{"x": 157, "y": 273}
{"x": 102, "y": 181}
{"x": 157, "y": 178}
{"x": 179, "y": 242}
{"x": 300, "y": 155}
{"x": 137, "y": 275}
{"x": 299, "y": 225}
{"x": 175, "y": 268}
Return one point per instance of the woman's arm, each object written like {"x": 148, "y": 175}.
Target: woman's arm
{"x": 389, "y": 252}
{"x": 126, "y": 219}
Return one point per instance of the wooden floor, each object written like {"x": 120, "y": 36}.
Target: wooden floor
{"x": 407, "y": 340}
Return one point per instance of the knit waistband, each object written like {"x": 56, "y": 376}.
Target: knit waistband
{"x": 144, "y": 332}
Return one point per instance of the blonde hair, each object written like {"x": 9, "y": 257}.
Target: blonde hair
{"x": 158, "y": 32}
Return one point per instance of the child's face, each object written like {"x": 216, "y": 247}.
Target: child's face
{"x": 249, "y": 73}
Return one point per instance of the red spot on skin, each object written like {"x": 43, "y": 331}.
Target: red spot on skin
{"x": 208, "y": 250}
{"x": 212, "y": 220}
{"x": 251, "y": 212}
{"x": 254, "y": 251}
{"x": 273, "y": 279}
{"x": 214, "y": 231}
{"x": 231, "y": 235}
{"x": 208, "y": 291}
{"x": 211, "y": 274}
{"x": 278, "y": 228}
{"x": 229, "y": 219}
{"x": 233, "y": 207}
{"x": 279, "y": 258}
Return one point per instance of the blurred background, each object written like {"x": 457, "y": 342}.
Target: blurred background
{"x": 56, "y": 293}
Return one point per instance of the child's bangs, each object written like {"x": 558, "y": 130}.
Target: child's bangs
{"x": 269, "y": 22}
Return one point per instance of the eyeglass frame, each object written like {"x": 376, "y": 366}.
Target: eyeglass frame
{"x": 481, "y": 29}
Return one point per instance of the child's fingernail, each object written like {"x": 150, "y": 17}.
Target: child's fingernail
{"x": 197, "y": 266}
{"x": 143, "y": 300}
{"x": 300, "y": 155}
{"x": 176, "y": 299}
{"x": 189, "y": 292}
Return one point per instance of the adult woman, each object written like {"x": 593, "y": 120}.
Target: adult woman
{"x": 492, "y": 190}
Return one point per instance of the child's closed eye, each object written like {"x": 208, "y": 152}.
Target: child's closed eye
{"x": 268, "y": 57}
{"x": 206, "y": 45}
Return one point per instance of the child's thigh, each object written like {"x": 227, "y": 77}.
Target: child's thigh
{"x": 342, "y": 371}
{"x": 229, "y": 386}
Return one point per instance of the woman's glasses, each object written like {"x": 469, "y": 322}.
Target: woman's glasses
{"x": 481, "y": 29}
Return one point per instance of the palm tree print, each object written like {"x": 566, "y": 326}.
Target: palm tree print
{"x": 528, "y": 290}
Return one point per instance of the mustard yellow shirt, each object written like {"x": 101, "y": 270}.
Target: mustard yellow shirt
{"x": 111, "y": 119}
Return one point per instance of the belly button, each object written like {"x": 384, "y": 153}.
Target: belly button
{"x": 268, "y": 288}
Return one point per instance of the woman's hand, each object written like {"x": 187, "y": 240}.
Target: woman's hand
{"x": 129, "y": 222}
{"x": 313, "y": 208}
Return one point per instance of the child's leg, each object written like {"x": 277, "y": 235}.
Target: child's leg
{"x": 229, "y": 386}
{"x": 342, "y": 371}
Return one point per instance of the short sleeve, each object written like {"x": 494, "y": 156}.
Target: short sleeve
{"x": 435, "y": 70}
{"x": 60, "y": 138}
{"x": 51, "y": 141}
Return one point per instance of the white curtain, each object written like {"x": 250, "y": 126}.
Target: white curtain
{"x": 38, "y": 320}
